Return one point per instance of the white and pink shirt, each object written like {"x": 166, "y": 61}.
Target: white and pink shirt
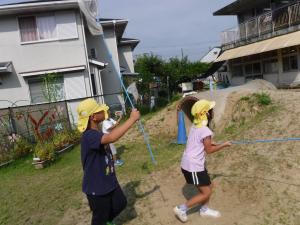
{"x": 193, "y": 158}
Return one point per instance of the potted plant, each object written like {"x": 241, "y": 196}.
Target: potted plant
{"x": 44, "y": 153}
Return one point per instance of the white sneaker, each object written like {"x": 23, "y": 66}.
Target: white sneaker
{"x": 209, "y": 213}
{"x": 181, "y": 215}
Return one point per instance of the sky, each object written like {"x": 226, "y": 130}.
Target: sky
{"x": 168, "y": 27}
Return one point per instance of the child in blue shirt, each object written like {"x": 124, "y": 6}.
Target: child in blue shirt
{"x": 100, "y": 184}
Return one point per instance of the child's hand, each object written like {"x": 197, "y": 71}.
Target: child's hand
{"x": 227, "y": 144}
{"x": 135, "y": 115}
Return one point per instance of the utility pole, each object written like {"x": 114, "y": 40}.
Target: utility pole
{"x": 181, "y": 54}
{"x": 168, "y": 88}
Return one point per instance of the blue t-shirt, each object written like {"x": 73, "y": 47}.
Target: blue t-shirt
{"x": 98, "y": 167}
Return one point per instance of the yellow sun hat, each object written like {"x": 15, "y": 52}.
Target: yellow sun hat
{"x": 85, "y": 109}
{"x": 200, "y": 110}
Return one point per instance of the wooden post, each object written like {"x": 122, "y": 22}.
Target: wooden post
{"x": 280, "y": 66}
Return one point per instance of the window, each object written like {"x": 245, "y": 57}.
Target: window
{"x": 93, "y": 53}
{"x": 270, "y": 66}
{"x": 290, "y": 63}
{"x": 237, "y": 70}
{"x": 93, "y": 84}
{"x": 28, "y": 29}
{"x": 46, "y": 27}
{"x": 289, "y": 59}
{"x": 56, "y": 26}
{"x": 39, "y": 92}
{"x": 253, "y": 68}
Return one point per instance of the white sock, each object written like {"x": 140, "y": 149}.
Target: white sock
{"x": 204, "y": 208}
{"x": 183, "y": 207}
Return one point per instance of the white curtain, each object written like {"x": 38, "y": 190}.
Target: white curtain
{"x": 46, "y": 27}
{"x": 28, "y": 28}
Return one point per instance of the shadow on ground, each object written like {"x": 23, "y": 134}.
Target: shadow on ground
{"x": 188, "y": 192}
{"x": 130, "y": 190}
{"x": 120, "y": 150}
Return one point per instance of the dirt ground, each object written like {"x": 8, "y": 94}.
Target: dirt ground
{"x": 254, "y": 184}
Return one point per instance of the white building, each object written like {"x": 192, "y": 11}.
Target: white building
{"x": 52, "y": 36}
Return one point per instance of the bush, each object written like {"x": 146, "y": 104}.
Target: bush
{"x": 74, "y": 136}
{"x": 175, "y": 97}
{"x": 45, "y": 151}
{"x": 161, "y": 102}
{"x": 263, "y": 99}
{"x": 144, "y": 109}
{"x": 21, "y": 148}
{"x": 61, "y": 140}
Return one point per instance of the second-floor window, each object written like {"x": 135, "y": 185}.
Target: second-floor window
{"x": 53, "y": 26}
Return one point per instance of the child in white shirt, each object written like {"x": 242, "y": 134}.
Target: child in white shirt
{"x": 107, "y": 126}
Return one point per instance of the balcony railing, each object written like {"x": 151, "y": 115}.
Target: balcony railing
{"x": 266, "y": 23}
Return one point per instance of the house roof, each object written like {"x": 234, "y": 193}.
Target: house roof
{"x": 13, "y": 2}
{"x": 118, "y": 24}
{"x": 211, "y": 56}
{"x": 129, "y": 41}
{"x": 279, "y": 42}
{"x": 240, "y": 6}
{"x": 29, "y": 6}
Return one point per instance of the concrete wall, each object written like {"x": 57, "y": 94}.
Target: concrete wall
{"x": 272, "y": 77}
{"x": 109, "y": 76}
{"x": 126, "y": 58}
{"x": 289, "y": 78}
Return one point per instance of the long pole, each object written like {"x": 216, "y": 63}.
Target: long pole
{"x": 117, "y": 70}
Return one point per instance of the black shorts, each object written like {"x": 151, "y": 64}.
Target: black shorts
{"x": 197, "y": 178}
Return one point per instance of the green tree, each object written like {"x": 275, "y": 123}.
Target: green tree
{"x": 177, "y": 70}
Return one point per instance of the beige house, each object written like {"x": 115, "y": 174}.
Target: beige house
{"x": 265, "y": 44}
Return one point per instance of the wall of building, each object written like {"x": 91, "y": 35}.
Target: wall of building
{"x": 126, "y": 58}
{"x": 289, "y": 78}
{"x": 37, "y": 56}
{"x": 109, "y": 76}
{"x": 280, "y": 79}
{"x": 12, "y": 89}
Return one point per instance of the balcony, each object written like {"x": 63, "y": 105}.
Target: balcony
{"x": 273, "y": 23}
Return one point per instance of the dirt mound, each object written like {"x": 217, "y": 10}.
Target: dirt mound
{"x": 255, "y": 184}
{"x": 165, "y": 121}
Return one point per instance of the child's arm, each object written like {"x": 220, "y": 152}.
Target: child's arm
{"x": 121, "y": 130}
{"x": 212, "y": 147}
{"x": 115, "y": 125}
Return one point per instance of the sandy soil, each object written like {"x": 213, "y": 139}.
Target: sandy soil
{"x": 254, "y": 184}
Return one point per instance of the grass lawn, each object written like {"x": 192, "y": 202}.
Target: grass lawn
{"x": 30, "y": 196}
